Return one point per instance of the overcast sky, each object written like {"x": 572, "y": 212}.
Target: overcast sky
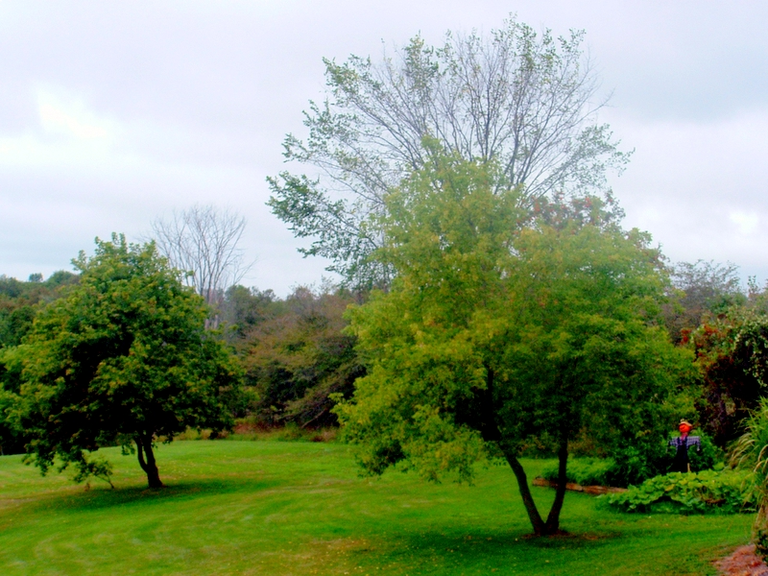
{"x": 115, "y": 113}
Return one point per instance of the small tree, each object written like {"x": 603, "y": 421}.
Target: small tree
{"x": 490, "y": 337}
{"x": 122, "y": 359}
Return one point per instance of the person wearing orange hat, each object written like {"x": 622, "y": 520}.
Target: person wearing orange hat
{"x": 681, "y": 463}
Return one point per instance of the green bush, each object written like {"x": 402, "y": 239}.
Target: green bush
{"x": 633, "y": 465}
{"x": 637, "y": 462}
{"x": 710, "y": 491}
{"x": 584, "y": 471}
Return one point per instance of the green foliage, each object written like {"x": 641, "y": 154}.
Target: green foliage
{"x": 584, "y": 471}
{"x": 633, "y": 465}
{"x": 123, "y": 357}
{"x": 297, "y": 359}
{"x": 710, "y": 491}
{"x": 636, "y": 463}
{"x": 495, "y": 333}
{"x": 19, "y": 302}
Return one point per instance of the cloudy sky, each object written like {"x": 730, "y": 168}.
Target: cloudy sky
{"x": 113, "y": 114}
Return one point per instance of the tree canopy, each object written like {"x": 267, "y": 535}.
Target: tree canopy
{"x": 524, "y": 101}
{"x": 122, "y": 358}
{"x": 300, "y": 357}
{"x": 491, "y": 335}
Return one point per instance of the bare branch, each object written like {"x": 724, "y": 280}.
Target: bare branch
{"x": 202, "y": 242}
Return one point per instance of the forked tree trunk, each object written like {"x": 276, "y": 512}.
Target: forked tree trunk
{"x": 539, "y": 528}
{"x": 492, "y": 433}
{"x": 149, "y": 465}
{"x": 553, "y": 519}
{"x": 552, "y": 525}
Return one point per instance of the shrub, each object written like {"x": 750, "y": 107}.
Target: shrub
{"x": 584, "y": 471}
{"x": 633, "y": 465}
{"x": 710, "y": 491}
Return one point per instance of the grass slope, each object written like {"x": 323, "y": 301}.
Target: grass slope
{"x": 295, "y": 508}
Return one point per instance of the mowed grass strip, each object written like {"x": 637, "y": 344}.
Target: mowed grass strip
{"x": 295, "y": 508}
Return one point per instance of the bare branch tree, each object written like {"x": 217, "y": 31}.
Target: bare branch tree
{"x": 203, "y": 243}
{"x": 523, "y": 101}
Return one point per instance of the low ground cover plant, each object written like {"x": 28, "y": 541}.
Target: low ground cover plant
{"x": 709, "y": 491}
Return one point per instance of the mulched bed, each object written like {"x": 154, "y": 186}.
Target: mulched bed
{"x": 743, "y": 562}
{"x": 595, "y": 490}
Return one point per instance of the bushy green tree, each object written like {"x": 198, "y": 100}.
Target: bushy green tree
{"x": 494, "y": 333}
{"x": 122, "y": 359}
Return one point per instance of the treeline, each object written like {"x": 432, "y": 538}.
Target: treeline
{"x": 19, "y": 300}
{"x": 296, "y": 350}
{"x": 296, "y": 353}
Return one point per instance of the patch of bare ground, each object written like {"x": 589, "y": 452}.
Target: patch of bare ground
{"x": 743, "y": 562}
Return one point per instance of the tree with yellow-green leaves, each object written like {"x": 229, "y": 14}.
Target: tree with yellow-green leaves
{"x": 500, "y": 327}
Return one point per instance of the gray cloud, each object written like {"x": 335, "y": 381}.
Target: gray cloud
{"x": 112, "y": 114}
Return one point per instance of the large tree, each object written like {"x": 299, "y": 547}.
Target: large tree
{"x": 491, "y": 336}
{"x": 524, "y": 101}
{"x": 122, "y": 359}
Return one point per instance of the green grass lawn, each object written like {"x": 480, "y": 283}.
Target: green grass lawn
{"x": 269, "y": 507}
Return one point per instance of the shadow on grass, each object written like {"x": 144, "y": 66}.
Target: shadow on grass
{"x": 481, "y": 552}
{"x": 185, "y": 490}
{"x": 491, "y": 542}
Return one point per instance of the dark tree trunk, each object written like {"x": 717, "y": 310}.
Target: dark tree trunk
{"x": 553, "y": 519}
{"x": 149, "y": 465}
{"x": 491, "y": 433}
{"x": 539, "y": 528}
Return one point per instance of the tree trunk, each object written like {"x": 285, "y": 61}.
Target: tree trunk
{"x": 491, "y": 433}
{"x": 144, "y": 446}
{"x": 553, "y": 519}
{"x": 539, "y": 528}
